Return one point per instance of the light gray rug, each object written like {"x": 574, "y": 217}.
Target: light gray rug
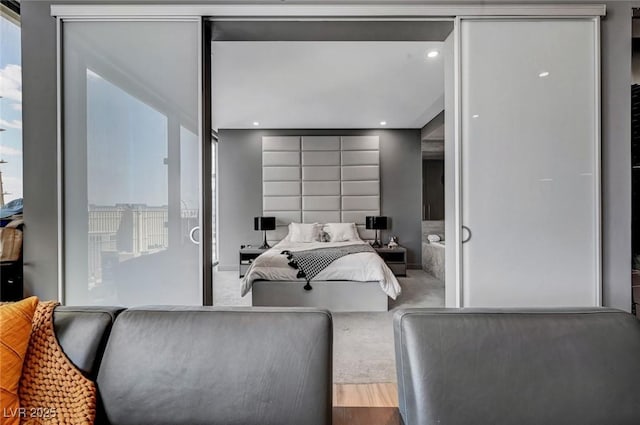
{"x": 363, "y": 350}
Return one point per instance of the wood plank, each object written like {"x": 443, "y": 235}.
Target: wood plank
{"x": 365, "y": 395}
{"x": 366, "y": 416}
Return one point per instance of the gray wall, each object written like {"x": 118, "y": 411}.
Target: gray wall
{"x": 240, "y": 186}
{"x": 39, "y": 106}
{"x": 616, "y": 155}
{"x": 40, "y": 189}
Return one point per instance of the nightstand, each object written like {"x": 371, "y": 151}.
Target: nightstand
{"x": 396, "y": 259}
{"x": 246, "y": 257}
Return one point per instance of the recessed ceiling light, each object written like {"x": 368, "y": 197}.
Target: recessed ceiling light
{"x": 543, "y": 74}
{"x": 475, "y": 116}
{"x": 383, "y": 123}
{"x": 433, "y": 54}
{"x": 256, "y": 123}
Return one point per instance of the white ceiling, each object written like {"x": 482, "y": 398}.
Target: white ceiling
{"x": 326, "y": 84}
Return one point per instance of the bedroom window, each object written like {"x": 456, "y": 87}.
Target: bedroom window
{"x": 10, "y": 109}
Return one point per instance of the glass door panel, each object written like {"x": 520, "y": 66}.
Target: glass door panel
{"x": 529, "y": 149}
{"x": 131, "y": 155}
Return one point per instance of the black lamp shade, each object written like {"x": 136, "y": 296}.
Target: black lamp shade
{"x": 264, "y": 223}
{"x": 376, "y": 222}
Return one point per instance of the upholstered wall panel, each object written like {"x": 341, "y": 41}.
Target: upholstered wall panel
{"x": 281, "y": 143}
{"x": 321, "y": 143}
{"x": 360, "y": 180}
{"x": 281, "y": 182}
{"x": 323, "y": 179}
{"x": 360, "y": 143}
{"x": 283, "y": 218}
{"x": 281, "y": 188}
{"x": 361, "y": 172}
{"x": 364, "y": 188}
{"x": 321, "y": 203}
{"x": 360, "y": 158}
{"x": 270, "y": 158}
{"x": 357, "y": 217}
{"x": 282, "y": 203}
{"x": 316, "y": 188}
{"x": 360, "y": 203}
{"x": 327, "y": 173}
{"x": 320, "y": 158}
{"x": 321, "y": 216}
{"x": 280, "y": 174}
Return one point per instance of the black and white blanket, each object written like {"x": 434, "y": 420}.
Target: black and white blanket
{"x": 311, "y": 262}
{"x": 365, "y": 266}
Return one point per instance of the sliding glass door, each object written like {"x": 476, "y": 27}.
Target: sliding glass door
{"x": 530, "y": 204}
{"x": 132, "y": 155}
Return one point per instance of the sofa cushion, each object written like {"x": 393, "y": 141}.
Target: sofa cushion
{"x": 83, "y": 332}
{"x": 218, "y": 366}
{"x": 532, "y": 367}
{"x": 15, "y": 330}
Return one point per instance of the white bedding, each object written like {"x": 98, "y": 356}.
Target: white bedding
{"x": 359, "y": 267}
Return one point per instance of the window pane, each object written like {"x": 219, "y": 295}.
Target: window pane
{"x": 10, "y": 113}
{"x": 131, "y": 150}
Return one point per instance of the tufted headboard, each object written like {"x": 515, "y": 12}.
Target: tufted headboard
{"x": 325, "y": 179}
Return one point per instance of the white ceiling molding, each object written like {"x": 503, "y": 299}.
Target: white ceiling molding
{"x": 173, "y": 11}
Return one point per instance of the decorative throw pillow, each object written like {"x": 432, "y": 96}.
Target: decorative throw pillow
{"x": 15, "y": 330}
{"x": 342, "y": 232}
{"x": 303, "y": 232}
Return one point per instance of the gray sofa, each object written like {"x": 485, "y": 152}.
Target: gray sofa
{"x": 459, "y": 367}
{"x": 203, "y": 365}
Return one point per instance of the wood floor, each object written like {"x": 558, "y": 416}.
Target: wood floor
{"x": 365, "y": 404}
{"x": 365, "y": 395}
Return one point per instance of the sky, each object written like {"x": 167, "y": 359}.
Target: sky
{"x": 10, "y": 109}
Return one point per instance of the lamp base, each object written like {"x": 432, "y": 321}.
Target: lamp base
{"x": 265, "y": 245}
{"x": 376, "y": 243}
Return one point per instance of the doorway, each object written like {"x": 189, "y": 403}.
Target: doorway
{"x": 323, "y": 83}
{"x": 332, "y": 79}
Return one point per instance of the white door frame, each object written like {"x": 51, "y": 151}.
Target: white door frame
{"x": 319, "y": 11}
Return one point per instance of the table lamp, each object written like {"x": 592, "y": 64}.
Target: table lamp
{"x": 264, "y": 224}
{"x": 378, "y": 223}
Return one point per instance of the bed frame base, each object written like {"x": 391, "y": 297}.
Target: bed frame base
{"x": 336, "y": 296}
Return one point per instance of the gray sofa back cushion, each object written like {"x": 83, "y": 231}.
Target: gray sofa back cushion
{"x": 82, "y": 332}
{"x": 218, "y": 366}
{"x": 568, "y": 367}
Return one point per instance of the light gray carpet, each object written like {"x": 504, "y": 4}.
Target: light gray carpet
{"x": 362, "y": 342}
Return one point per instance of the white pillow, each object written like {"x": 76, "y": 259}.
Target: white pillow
{"x": 342, "y": 232}
{"x": 303, "y": 232}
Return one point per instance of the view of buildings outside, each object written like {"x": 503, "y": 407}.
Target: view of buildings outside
{"x": 10, "y": 110}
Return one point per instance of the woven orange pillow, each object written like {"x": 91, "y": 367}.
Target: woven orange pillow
{"x": 15, "y": 329}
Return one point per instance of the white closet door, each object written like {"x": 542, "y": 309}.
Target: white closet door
{"x": 529, "y": 163}
{"x": 131, "y": 133}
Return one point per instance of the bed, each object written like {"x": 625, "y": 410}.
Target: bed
{"x": 359, "y": 281}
